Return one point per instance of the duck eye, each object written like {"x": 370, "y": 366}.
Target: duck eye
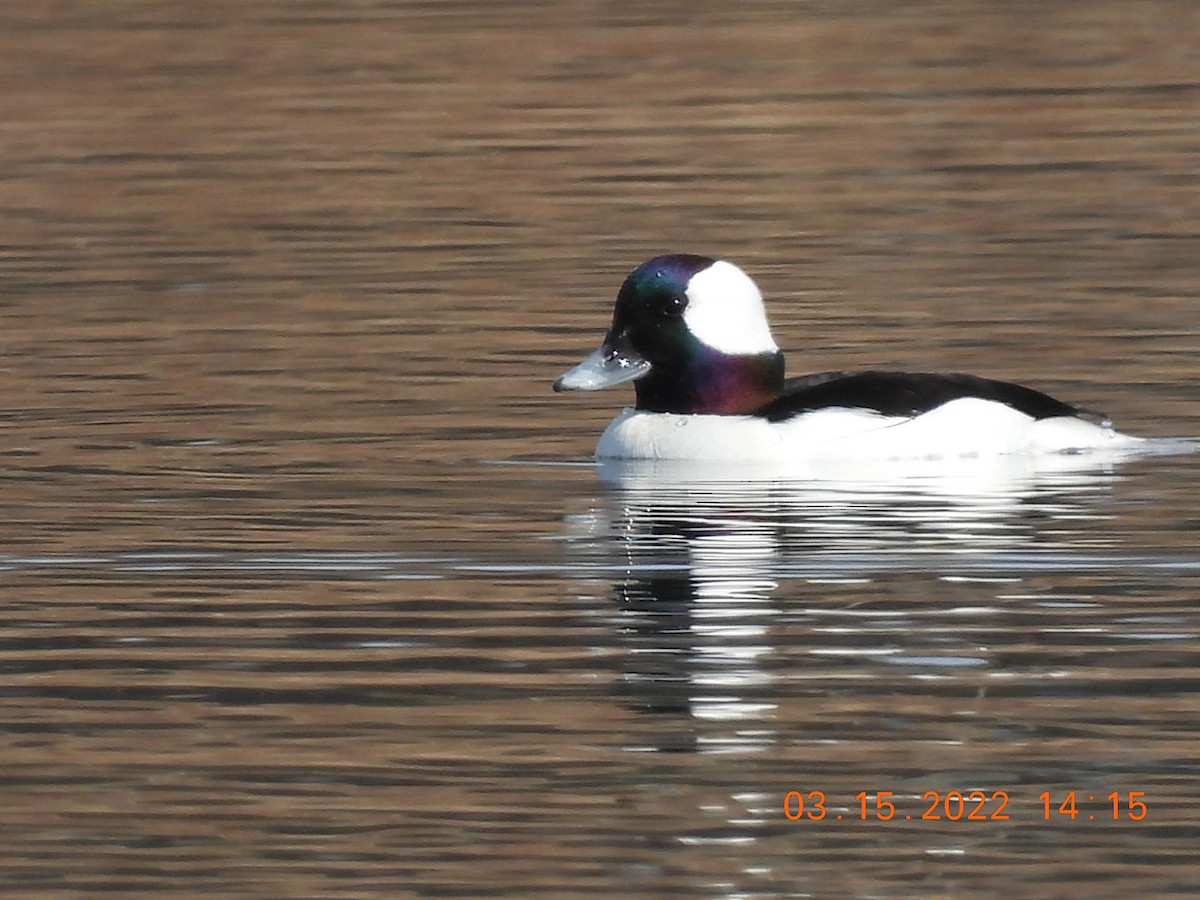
{"x": 675, "y": 306}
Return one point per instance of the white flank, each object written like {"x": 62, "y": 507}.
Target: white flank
{"x": 961, "y": 428}
{"x": 725, "y": 311}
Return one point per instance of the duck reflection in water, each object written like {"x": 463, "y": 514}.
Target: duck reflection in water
{"x": 723, "y": 580}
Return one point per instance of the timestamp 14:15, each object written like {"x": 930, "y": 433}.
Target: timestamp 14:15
{"x": 1134, "y": 809}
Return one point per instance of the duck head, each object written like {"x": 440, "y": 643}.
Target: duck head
{"x": 691, "y": 333}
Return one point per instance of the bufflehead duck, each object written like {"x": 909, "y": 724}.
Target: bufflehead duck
{"x": 691, "y": 333}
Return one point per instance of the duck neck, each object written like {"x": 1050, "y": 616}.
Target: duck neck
{"x": 714, "y": 383}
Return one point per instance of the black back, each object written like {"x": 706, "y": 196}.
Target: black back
{"x": 905, "y": 394}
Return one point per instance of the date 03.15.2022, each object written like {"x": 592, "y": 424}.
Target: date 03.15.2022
{"x": 964, "y": 806}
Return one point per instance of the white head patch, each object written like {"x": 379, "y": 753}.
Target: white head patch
{"x": 725, "y": 311}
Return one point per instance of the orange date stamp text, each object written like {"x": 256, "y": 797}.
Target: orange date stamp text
{"x": 966, "y": 806}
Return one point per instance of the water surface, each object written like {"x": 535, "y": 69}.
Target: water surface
{"x": 310, "y": 587}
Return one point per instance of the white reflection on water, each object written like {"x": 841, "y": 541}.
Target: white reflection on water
{"x": 729, "y": 629}
{"x": 726, "y": 517}
{"x": 704, "y": 550}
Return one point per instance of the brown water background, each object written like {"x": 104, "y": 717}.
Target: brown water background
{"x": 295, "y": 597}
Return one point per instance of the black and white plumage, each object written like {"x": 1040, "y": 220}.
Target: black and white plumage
{"x": 691, "y": 333}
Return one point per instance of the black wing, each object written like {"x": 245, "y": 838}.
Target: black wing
{"x": 906, "y": 394}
